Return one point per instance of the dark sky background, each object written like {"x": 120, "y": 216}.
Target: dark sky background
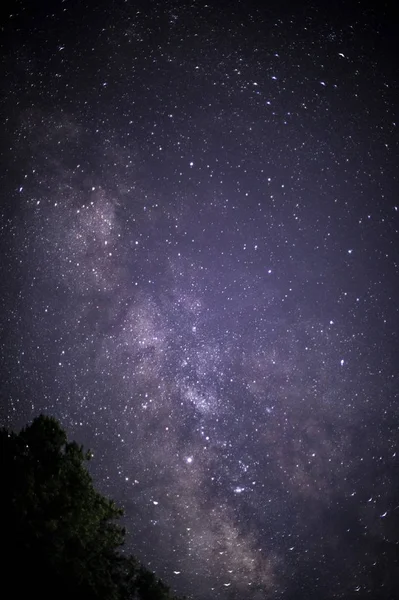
{"x": 199, "y": 256}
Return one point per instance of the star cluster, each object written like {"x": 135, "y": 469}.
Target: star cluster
{"x": 199, "y": 226}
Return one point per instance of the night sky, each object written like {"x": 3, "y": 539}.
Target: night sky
{"x": 199, "y": 255}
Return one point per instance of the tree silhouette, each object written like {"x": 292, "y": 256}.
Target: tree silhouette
{"x": 60, "y": 537}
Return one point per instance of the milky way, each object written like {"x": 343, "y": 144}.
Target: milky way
{"x": 199, "y": 255}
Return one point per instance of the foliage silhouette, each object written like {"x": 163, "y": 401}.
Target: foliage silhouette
{"x": 60, "y": 537}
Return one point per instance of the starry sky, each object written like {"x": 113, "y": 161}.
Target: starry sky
{"x": 199, "y": 255}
